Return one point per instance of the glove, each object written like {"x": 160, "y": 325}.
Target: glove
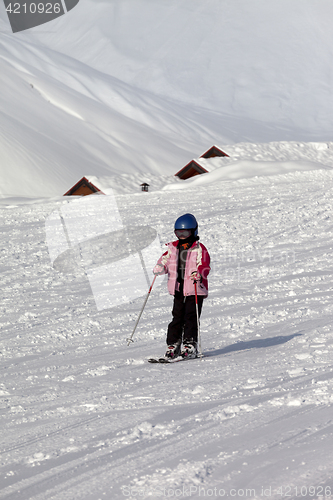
{"x": 195, "y": 276}
{"x": 158, "y": 269}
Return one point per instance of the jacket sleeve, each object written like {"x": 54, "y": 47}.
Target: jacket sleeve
{"x": 204, "y": 263}
{"x": 164, "y": 261}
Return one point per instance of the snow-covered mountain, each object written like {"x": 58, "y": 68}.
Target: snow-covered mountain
{"x": 139, "y": 86}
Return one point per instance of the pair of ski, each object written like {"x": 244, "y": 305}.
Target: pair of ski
{"x": 170, "y": 360}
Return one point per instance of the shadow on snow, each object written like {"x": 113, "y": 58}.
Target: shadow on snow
{"x": 253, "y": 344}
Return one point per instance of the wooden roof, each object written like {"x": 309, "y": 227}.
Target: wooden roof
{"x": 192, "y": 168}
{"x": 212, "y": 152}
{"x": 83, "y": 188}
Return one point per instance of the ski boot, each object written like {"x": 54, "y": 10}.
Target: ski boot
{"x": 173, "y": 351}
{"x": 190, "y": 349}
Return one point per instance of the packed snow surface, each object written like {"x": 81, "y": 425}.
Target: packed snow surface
{"x": 86, "y": 417}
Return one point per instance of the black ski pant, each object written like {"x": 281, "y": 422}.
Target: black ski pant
{"x": 184, "y": 318}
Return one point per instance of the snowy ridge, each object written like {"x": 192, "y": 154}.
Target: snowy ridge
{"x": 283, "y": 151}
{"x": 220, "y": 170}
{"x": 316, "y": 152}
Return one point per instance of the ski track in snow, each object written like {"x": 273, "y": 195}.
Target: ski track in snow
{"x": 85, "y": 416}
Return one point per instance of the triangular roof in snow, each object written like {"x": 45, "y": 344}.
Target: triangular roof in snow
{"x": 86, "y": 185}
{"x": 90, "y": 184}
{"x": 190, "y": 169}
{"x": 212, "y": 152}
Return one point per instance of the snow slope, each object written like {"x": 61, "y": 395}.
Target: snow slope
{"x": 141, "y": 86}
{"x": 53, "y": 133}
{"x": 84, "y": 416}
{"x": 262, "y": 61}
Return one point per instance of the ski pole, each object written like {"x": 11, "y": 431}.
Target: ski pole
{"x": 129, "y": 340}
{"x": 198, "y": 322}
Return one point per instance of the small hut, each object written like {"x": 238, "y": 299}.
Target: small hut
{"x": 144, "y": 187}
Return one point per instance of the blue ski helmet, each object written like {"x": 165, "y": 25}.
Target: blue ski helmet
{"x": 187, "y": 221}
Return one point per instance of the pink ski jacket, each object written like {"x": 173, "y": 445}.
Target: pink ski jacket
{"x": 197, "y": 259}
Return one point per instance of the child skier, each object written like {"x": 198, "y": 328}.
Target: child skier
{"x": 186, "y": 262}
